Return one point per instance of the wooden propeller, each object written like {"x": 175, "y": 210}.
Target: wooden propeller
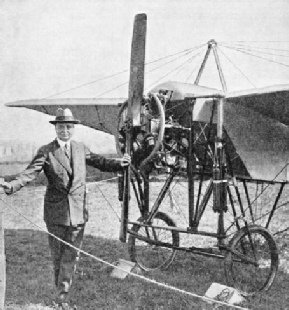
{"x": 135, "y": 96}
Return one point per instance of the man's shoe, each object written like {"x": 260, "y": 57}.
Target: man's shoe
{"x": 61, "y": 302}
{"x": 64, "y": 306}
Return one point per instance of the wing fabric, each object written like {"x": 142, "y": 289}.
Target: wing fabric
{"x": 100, "y": 114}
{"x": 272, "y": 101}
{"x": 257, "y": 121}
{"x": 260, "y": 141}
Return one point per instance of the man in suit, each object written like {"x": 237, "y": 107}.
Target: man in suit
{"x": 65, "y": 213}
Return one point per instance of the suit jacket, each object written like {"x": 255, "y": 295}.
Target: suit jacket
{"x": 64, "y": 201}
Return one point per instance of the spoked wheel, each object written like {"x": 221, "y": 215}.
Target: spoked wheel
{"x": 147, "y": 251}
{"x": 252, "y": 263}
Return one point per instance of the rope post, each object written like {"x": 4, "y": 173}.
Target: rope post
{"x": 2, "y": 254}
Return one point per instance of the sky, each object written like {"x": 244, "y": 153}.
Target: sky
{"x": 48, "y": 47}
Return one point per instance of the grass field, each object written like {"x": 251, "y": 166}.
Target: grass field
{"x": 29, "y": 270}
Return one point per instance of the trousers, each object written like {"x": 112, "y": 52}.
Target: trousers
{"x": 64, "y": 257}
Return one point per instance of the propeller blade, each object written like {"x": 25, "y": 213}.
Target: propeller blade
{"x": 137, "y": 62}
{"x": 135, "y": 95}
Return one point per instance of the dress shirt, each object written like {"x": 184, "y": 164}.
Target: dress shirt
{"x": 63, "y": 144}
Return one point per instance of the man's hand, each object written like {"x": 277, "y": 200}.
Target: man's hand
{"x": 126, "y": 160}
{"x": 7, "y": 186}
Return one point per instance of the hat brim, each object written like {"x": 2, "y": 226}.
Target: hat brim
{"x": 63, "y": 121}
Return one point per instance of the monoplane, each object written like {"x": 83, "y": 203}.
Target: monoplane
{"x": 215, "y": 144}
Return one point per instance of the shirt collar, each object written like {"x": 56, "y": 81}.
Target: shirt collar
{"x": 62, "y": 143}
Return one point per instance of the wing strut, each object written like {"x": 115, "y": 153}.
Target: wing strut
{"x": 212, "y": 46}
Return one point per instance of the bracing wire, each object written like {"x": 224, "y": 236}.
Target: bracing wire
{"x": 111, "y": 89}
{"x": 255, "y": 49}
{"x": 258, "y": 47}
{"x": 182, "y": 66}
{"x": 184, "y": 52}
{"x": 85, "y": 84}
{"x": 263, "y": 190}
{"x": 170, "y": 192}
{"x": 177, "y": 58}
{"x": 154, "y": 69}
{"x": 121, "y": 72}
{"x": 195, "y": 68}
{"x": 236, "y": 67}
{"x": 244, "y": 52}
{"x": 242, "y": 41}
{"x": 175, "y": 69}
{"x": 108, "y": 202}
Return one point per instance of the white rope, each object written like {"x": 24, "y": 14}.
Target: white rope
{"x": 33, "y": 189}
{"x": 206, "y": 299}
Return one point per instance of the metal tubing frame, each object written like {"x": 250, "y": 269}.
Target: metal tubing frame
{"x": 194, "y": 217}
{"x": 212, "y": 46}
{"x": 204, "y": 202}
{"x": 248, "y": 200}
{"x": 221, "y": 75}
{"x": 275, "y": 204}
{"x": 161, "y": 195}
{"x": 146, "y": 194}
{"x": 190, "y": 166}
{"x": 179, "y": 229}
{"x": 199, "y": 251}
{"x": 203, "y": 64}
{"x": 197, "y": 216}
{"x": 241, "y": 205}
{"x": 233, "y": 207}
{"x": 219, "y": 190}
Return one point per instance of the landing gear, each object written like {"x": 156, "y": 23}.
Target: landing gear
{"x": 252, "y": 262}
{"x": 153, "y": 248}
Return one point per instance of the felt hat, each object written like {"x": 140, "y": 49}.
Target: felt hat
{"x": 64, "y": 116}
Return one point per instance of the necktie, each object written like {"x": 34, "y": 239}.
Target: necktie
{"x": 66, "y": 150}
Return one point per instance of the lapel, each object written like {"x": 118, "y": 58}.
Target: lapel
{"x": 77, "y": 155}
{"x": 62, "y": 158}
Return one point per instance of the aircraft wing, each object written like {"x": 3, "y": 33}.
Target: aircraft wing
{"x": 260, "y": 143}
{"x": 98, "y": 113}
{"x": 271, "y": 101}
{"x": 257, "y": 123}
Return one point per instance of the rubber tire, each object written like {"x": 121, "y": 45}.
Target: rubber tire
{"x": 133, "y": 251}
{"x": 273, "y": 258}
